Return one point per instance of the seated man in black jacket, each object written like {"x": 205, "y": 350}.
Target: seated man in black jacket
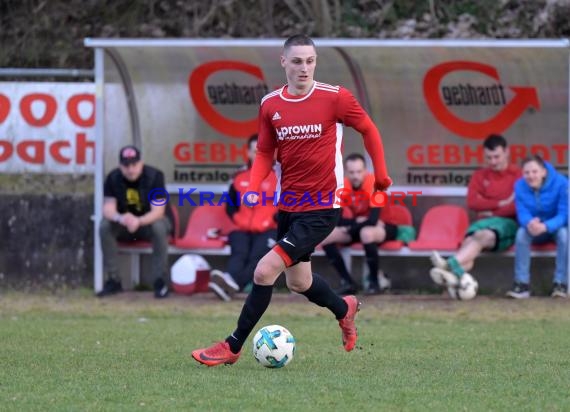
{"x": 129, "y": 214}
{"x": 359, "y": 223}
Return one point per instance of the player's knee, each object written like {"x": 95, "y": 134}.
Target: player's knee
{"x": 485, "y": 238}
{"x": 159, "y": 228}
{"x": 264, "y": 273}
{"x": 298, "y": 285}
{"x": 367, "y": 235}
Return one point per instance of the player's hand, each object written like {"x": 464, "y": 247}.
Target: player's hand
{"x": 251, "y": 199}
{"x": 132, "y": 222}
{"x": 507, "y": 201}
{"x": 383, "y": 184}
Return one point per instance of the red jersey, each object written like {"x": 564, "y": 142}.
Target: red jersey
{"x": 306, "y": 131}
{"x": 487, "y": 187}
{"x": 358, "y": 206}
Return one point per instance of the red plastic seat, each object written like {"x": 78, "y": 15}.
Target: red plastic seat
{"x": 443, "y": 228}
{"x": 543, "y": 247}
{"x": 396, "y": 215}
{"x": 202, "y": 219}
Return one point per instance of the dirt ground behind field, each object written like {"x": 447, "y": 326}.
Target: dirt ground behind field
{"x": 435, "y": 307}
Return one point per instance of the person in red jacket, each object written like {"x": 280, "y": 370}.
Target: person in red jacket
{"x": 491, "y": 195}
{"x": 256, "y": 233}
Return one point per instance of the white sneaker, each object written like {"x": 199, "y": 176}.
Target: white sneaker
{"x": 384, "y": 282}
{"x": 219, "y": 292}
{"x": 224, "y": 280}
{"x": 437, "y": 261}
{"x": 443, "y": 277}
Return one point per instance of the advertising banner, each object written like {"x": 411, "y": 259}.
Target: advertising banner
{"x": 47, "y": 127}
{"x": 196, "y": 106}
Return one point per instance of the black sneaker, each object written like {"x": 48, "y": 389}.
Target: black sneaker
{"x": 519, "y": 291}
{"x": 346, "y": 289}
{"x": 110, "y": 287}
{"x": 559, "y": 290}
{"x": 160, "y": 289}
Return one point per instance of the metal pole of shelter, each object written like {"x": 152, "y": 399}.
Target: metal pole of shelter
{"x": 99, "y": 165}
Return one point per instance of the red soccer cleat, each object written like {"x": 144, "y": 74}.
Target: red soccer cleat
{"x": 349, "y": 333}
{"x": 216, "y": 354}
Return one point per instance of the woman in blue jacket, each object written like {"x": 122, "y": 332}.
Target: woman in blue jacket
{"x": 541, "y": 199}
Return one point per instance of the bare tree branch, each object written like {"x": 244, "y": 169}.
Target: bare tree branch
{"x": 268, "y": 7}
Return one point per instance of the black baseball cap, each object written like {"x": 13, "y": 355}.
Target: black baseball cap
{"x": 129, "y": 155}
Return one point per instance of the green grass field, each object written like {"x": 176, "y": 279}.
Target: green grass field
{"x": 77, "y": 353}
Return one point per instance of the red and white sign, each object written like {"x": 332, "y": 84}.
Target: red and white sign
{"x": 47, "y": 127}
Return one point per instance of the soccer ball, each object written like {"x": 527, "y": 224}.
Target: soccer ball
{"x": 466, "y": 289}
{"x": 273, "y": 346}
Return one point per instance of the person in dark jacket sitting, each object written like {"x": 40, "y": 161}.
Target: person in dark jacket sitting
{"x": 129, "y": 215}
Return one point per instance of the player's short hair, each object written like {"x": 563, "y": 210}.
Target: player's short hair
{"x": 354, "y": 156}
{"x": 494, "y": 141}
{"x": 298, "y": 40}
{"x": 534, "y": 158}
{"x": 252, "y": 138}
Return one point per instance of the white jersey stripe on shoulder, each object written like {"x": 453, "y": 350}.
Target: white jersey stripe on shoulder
{"x": 327, "y": 89}
{"x": 269, "y": 95}
{"x": 320, "y": 84}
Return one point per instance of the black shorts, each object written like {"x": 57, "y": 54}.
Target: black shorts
{"x": 300, "y": 232}
{"x": 391, "y": 233}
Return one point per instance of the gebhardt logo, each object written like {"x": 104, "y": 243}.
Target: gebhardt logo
{"x": 303, "y": 131}
{"x": 227, "y": 93}
{"x": 466, "y": 94}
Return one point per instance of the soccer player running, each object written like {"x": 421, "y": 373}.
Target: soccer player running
{"x": 302, "y": 122}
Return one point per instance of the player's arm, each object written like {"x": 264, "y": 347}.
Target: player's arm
{"x": 157, "y": 211}
{"x": 352, "y": 114}
{"x": 506, "y": 207}
{"x": 233, "y": 205}
{"x": 561, "y": 217}
{"x": 110, "y": 211}
{"x": 266, "y": 145}
{"x": 262, "y": 166}
{"x": 476, "y": 195}
{"x": 523, "y": 213}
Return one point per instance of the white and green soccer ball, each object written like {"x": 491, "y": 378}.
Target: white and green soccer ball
{"x": 466, "y": 289}
{"x": 273, "y": 346}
